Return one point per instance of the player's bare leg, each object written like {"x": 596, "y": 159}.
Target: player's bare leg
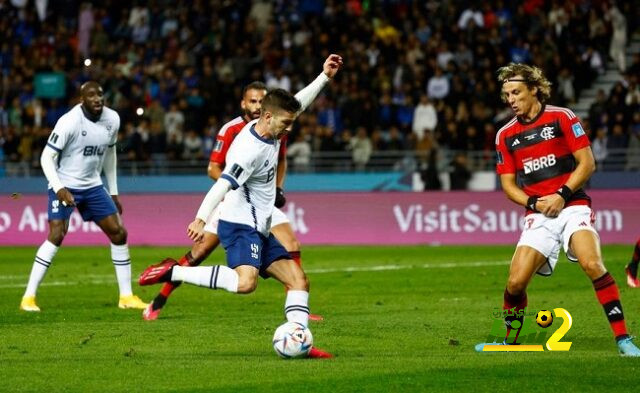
{"x": 194, "y": 257}
{"x": 296, "y": 306}
{"x": 585, "y": 245}
{"x": 284, "y": 233}
{"x": 44, "y": 257}
{"x": 117, "y": 234}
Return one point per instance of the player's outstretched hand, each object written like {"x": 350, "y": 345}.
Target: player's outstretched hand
{"x": 332, "y": 65}
{"x": 65, "y": 197}
{"x": 116, "y": 201}
{"x": 195, "y": 230}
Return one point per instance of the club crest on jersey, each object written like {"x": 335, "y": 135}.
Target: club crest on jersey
{"x": 577, "y": 129}
{"x": 547, "y": 133}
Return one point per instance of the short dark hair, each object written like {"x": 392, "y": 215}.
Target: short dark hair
{"x": 255, "y": 85}
{"x": 280, "y": 99}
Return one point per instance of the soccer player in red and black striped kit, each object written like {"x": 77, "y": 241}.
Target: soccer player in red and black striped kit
{"x": 632, "y": 268}
{"x": 544, "y": 160}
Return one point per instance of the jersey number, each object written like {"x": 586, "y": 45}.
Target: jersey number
{"x": 53, "y": 138}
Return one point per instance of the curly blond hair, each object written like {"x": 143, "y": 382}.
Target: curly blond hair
{"x": 532, "y": 76}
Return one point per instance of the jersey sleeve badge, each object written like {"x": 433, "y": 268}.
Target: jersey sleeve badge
{"x": 577, "y": 129}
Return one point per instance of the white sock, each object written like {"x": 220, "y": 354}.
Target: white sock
{"x": 122, "y": 264}
{"x": 44, "y": 258}
{"x": 296, "y": 307}
{"x": 213, "y": 277}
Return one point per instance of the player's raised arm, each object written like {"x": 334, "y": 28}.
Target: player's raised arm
{"x": 330, "y": 68}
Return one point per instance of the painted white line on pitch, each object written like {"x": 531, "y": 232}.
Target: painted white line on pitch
{"x": 109, "y": 279}
{"x": 406, "y": 267}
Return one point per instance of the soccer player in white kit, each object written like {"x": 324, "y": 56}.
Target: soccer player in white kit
{"x": 248, "y": 186}
{"x": 252, "y": 97}
{"x": 81, "y": 144}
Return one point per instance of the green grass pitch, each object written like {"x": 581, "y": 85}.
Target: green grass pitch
{"x": 398, "y": 319}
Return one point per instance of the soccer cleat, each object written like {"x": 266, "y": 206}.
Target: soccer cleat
{"x": 628, "y": 348}
{"x": 28, "y": 303}
{"x": 149, "y": 314}
{"x": 316, "y": 317}
{"x": 160, "y": 272}
{"x": 632, "y": 280}
{"x": 316, "y": 353}
{"x": 131, "y": 301}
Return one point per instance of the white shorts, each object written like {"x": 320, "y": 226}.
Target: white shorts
{"x": 211, "y": 226}
{"x": 278, "y": 217}
{"x": 546, "y": 234}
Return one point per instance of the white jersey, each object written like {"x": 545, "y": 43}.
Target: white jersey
{"x": 251, "y": 170}
{"x": 81, "y": 145}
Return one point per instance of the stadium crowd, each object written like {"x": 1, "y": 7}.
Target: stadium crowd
{"x": 419, "y": 76}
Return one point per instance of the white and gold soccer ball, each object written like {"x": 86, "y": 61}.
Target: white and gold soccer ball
{"x": 292, "y": 340}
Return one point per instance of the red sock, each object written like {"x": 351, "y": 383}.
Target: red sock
{"x": 295, "y": 255}
{"x": 517, "y": 303}
{"x": 168, "y": 287}
{"x": 609, "y": 298}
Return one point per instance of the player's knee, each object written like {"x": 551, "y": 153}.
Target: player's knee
{"x": 292, "y": 244}
{"x": 593, "y": 267}
{"x": 56, "y": 237}
{"x": 516, "y": 286}
{"x": 119, "y": 236}
{"x": 247, "y": 284}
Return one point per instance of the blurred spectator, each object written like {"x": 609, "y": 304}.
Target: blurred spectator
{"x": 193, "y": 147}
{"x": 438, "y": 86}
{"x": 617, "y": 144}
{"x": 460, "y": 173}
{"x": 618, "y": 38}
{"x": 361, "y": 148}
{"x": 299, "y": 152}
{"x": 425, "y": 117}
{"x": 429, "y": 174}
{"x": 599, "y": 147}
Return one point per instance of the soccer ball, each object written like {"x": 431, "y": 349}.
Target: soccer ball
{"x": 544, "y": 318}
{"x": 292, "y": 340}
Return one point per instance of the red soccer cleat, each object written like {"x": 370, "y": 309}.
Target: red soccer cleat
{"x": 149, "y": 314}
{"x": 631, "y": 280}
{"x": 316, "y": 353}
{"x": 316, "y": 317}
{"x": 157, "y": 273}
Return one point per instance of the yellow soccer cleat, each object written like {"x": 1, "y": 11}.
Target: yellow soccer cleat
{"x": 132, "y": 301}
{"x": 28, "y": 303}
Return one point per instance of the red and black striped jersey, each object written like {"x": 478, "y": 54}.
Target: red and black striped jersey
{"x": 227, "y": 134}
{"x": 540, "y": 152}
